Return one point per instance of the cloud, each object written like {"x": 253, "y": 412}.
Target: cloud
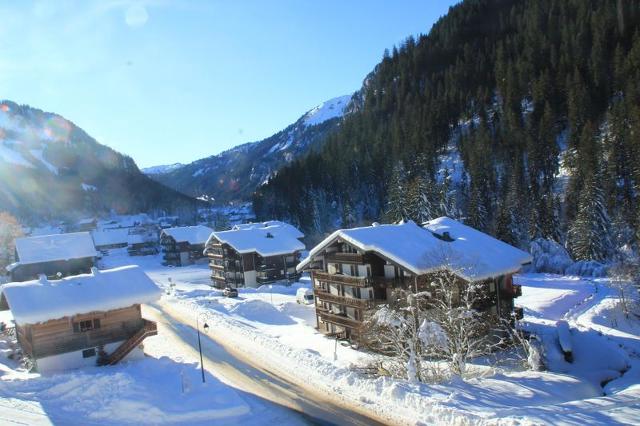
{"x": 136, "y": 15}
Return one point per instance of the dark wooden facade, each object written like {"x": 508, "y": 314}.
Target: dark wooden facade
{"x": 232, "y": 269}
{"x": 348, "y": 284}
{"x": 92, "y": 330}
{"x": 180, "y": 253}
{"x": 30, "y": 271}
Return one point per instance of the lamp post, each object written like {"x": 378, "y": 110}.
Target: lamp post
{"x": 205, "y": 327}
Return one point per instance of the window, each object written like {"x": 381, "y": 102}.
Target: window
{"x": 86, "y": 325}
{"x": 88, "y": 353}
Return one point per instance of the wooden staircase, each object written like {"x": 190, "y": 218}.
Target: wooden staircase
{"x": 149, "y": 329}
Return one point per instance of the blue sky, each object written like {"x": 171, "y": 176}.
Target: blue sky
{"x": 174, "y": 81}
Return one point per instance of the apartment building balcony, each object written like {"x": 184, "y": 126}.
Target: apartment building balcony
{"x": 358, "y": 281}
{"x": 345, "y": 301}
{"x": 339, "y": 257}
{"x": 341, "y": 320}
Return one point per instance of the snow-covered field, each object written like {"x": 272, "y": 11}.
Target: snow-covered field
{"x": 601, "y": 386}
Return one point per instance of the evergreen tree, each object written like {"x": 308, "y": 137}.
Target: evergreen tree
{"x": 397, "y": 196}
{"x": 590, "y": 233}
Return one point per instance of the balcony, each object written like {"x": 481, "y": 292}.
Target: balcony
{"x": 345, "y": 301}
{"x": 357, "y": 281}
{"x": 338, "y": 257}
{"x": 512, "y": 291}
{"x": 338, "y": 319}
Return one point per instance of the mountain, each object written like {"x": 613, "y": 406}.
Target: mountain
{"x": 51, "y": 168}
{"x": 164, "y": 168}
{"x": 233, "y": 175}
{"x": 518, "y": 116}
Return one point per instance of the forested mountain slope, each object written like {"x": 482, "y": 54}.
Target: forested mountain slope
{"x": 233, "y": 175}
{"x": 537, "y": 104}
{"x": 52, "y": 169}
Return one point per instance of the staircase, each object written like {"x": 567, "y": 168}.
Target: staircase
{"x": 149, "y": 329}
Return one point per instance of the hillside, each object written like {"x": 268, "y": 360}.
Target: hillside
{"x": 50, "y": 168}
{"x": 521, "y": 117}
{"x": 234, "y": 175}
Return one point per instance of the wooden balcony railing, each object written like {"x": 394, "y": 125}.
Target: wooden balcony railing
{"x": 345, "y": 257}
{"x": 343, "y": 300}
{"x": 357, "y": 281}
{"x": 338, "y": 319}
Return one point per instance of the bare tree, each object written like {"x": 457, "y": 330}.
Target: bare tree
{"x": 622, "y": 276}
{"x": 449, "y": 321}
{"x": 9, "y": 230}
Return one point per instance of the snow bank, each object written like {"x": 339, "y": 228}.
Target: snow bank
{"x": 564, "y": 336}
{"x": 41, "y": 300}
{"x": 587, "y": 268}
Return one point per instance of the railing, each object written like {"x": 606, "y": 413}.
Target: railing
{"x": 358, "y": 281}
{"x": 343, "y": 300}
{"x": 344, "y": 257}
{"x": 149, "y": 329}
{"x": 338, "y": 319}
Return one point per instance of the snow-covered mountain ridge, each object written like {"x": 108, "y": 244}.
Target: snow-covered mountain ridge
{"x": 234, "y": 174}
{"x": 50, "y": 167}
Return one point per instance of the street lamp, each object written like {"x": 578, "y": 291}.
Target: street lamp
{"x": 205, "y": 327}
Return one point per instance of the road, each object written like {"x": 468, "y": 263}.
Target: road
{"x": 235, "y": 369}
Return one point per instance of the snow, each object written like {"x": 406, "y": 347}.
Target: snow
{"x": 191, "y": 234}
{"x": 157, "y": 170}
{"x": 36, "y": 301}
{"x": 108, "y": 237}
{"x": 8, "y": 155}
{"x": 39, "y": 155}
{"x": 47, "y": 248}
{"x": 327, "y": 110}
{"x": 271, "y": 238}
{"x": 472, "y": 254}
{"x": 88, "y": 188}
{"x": 564, "y": 335}
{"x": 267, "y": 326}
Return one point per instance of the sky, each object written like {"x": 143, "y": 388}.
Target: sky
{"x": 173, "y": 81}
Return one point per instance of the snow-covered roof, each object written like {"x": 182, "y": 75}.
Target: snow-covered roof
{"x": 469, "y": 253}
{"x": 41, "y": 300}
{"x": 108, "y": 237}
{"x": 47, "y": 248}
{"x": 270, "y": 238}
{"x": 191, "y": 234}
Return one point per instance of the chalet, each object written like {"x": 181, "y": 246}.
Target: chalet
{"x": 253, "y": 254}
{"x": 354, "y": 270}
{"x": 184, "y": 245}
{"x": 107, "y": 239}
{"x": 140, "y": 240}
{"x": 84, "y": 320}
{"x": 52, "y": 255}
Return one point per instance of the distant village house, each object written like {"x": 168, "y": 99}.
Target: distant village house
{"x": 355, "y": 270}
{"x": 184, "y": 245}
{"x": 84, "y": 320}
{"x": 57, "y": 255}
{"x": 253, "y": 254}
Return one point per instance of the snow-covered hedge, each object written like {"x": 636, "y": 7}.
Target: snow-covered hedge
{"x": 549, "y": 256}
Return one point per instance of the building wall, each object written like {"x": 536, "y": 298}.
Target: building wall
{"x": 74, "y": 360}
{"x": 51, "y": 269}
{"x": 58, "y": 336}
{"x": 250, "y": 279}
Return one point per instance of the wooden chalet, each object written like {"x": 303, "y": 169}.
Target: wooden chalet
{"x": 84, "y": 320}
{"x": 184, "y": 245}
{"x": 55, "y": 256}
{"x": 254, "y": 254}
{"x": 355, "y": 270}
